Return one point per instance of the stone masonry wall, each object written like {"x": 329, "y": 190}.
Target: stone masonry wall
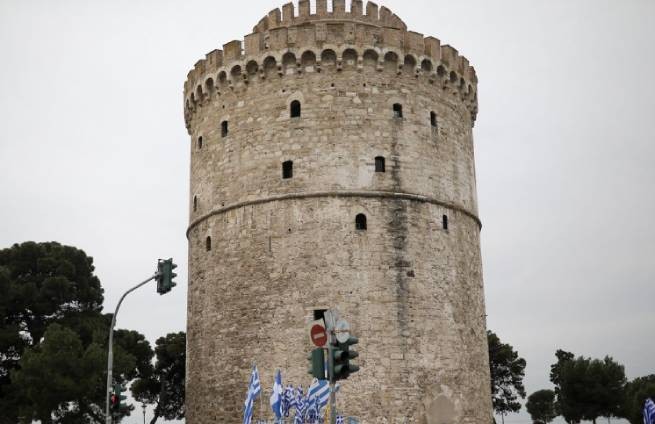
{"x": 281, "y": 248}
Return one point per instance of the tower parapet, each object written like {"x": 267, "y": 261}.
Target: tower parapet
{"x": 285, "y": 43}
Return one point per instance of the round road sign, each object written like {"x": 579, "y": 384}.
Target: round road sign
{"x": 318, "y": 335}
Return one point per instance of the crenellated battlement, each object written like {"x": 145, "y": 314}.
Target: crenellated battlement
{"x": 286, "y": 43}
{"x": 287, "y": 16}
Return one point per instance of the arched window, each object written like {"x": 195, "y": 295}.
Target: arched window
{"x": 208, "y": 243}
{"x": 287, "y": 169}
{"x": 360, "y": 221}
{"x": 224, "y": 129}
{"x": 199, "y": 143}
{"x": 433, "y": 119}
{"x": 295, "y": 109}
{"x": 444, "y": 222}
{"x": 379, "y": 164}
{"x": 195, "y": 203}
{"x": 397, "y": 110}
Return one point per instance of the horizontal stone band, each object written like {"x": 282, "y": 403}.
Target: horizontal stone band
{"x": 336, "y": 193}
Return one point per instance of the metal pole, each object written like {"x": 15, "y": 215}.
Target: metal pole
{"x": 143, "y": 405}
{"x": 330, "y": 317}
{"x": 110, "y": 353}
{"x": 333, "y": 415}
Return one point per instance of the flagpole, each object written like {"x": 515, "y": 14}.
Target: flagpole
{"x": 261, "y": 406}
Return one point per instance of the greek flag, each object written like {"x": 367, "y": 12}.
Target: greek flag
{"x": 289, "y": 400}
{"x": 254, "y": 389}
{"x": 300, "y": 407}
{"x": 320, "y": 389}
{"x": 276, "y": 396}
{"x": 649, "y": 411}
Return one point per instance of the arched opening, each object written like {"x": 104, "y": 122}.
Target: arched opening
{"x": 349, "y": 58}
{"x": 397, "y": 111}
{"x": 195, "y": 203}
{"x": 199, "y": 93}
{"x": 379, "y": 164}
{"x": 235, "y": 73}
{"x": 433, "y": 120}
{"x": 444, "y": 222}
{"x": 308, "y": 59}
{"x": 370, "y": 58}
{"x": 270, "y": 66}
{"x": 360, "y": 221}
{"x": 252, "y": 67}
{"x": 289, "y": 61}
{"x": 328, "y": 58}
{"x": 224, "y": 129}
{"x": 209, "y": 85}
{"x": 208, "y": 243}
{"x": 391, "y": 61}
{"x": 287, "y": 169}
{"x": 409, "y": 64}
{"x": 199, "y": 142}
{"x": 294, "y": 109}
{"x": 426, "y": 65}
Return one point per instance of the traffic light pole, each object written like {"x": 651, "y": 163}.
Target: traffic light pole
{"x": 110, "y": 354}
{"x": 329, "y": 324}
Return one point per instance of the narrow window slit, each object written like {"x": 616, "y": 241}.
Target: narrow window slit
{"x": 287, "y": 169}
{"x": 397, "y": 110}
{"x": 444, "y": 222}
{"x": 360, "y": 221}
{"x": 433, "y": 120}
{"x": 224, "y": 130}
{"x": 208, "y": 243}
{"x": 295, "y": 109}
{"x": 379, "y": 164}
{"x": 199, "y": 143}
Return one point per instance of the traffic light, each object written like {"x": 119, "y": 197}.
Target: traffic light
{"x": 116, "y": 399}
{"x": 165, "y": 275}
{"x": 341, "y": 356}
{"x": 316, "y": 363}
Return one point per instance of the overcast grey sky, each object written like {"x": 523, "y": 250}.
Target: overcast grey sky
{"x": 94, "y": 153}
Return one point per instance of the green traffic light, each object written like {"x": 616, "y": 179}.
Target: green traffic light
{"x": 316, "y": 363}
{"x": 165, "y": 275}
{"x": 341, "y": 356}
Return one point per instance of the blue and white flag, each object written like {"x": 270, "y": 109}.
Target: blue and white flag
{"x": 649, "y": 411}
{"x": 254, "y": 389}
{"x": 289, "y": 400}
{"x": 320, "y": 389}
{"x": 276, "y": 396}
{"x": 300, "y": 407}
{"x": 312, "y": 408}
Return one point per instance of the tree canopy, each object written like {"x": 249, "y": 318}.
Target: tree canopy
{"x": 635, "y": 394}
{"x": 164, "y": 387}
{"x": 507, "y": 372}
{"x": 541, "y": 406}
{"x": 587, "y": 388}
{"x": 53, "y": 337}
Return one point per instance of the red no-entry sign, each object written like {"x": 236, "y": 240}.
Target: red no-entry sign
{"x": 318, "y": 335}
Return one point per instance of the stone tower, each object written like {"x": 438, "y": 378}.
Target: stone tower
{"x": 332, "y": 165}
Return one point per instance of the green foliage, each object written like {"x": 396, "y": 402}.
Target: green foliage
{"x": 636, "y": 393}
{"x": 53, "y": 337}
{"x": 164, "y": 387}
{"x": 541, "y": 406}
{"x": 587, "y": 388}
{"x": 507, "y": 372}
